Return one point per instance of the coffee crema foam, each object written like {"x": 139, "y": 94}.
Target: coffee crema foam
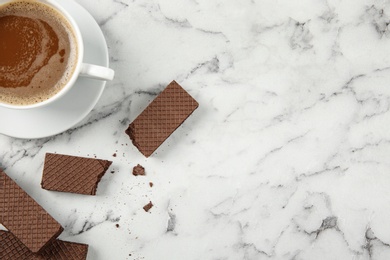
{"x": 38, "y": 52}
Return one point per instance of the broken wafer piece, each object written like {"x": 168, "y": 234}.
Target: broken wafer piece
{"x": 148, "y": 206}
{"x": 73, "y": 174}
{"x": 11, "y": 248}
{"x": 24, "y": 217}
{"x": 138, "y": 170}
{"x": 161, "y": 118}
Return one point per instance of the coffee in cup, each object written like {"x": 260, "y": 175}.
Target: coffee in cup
{"x": 38, "y": 52}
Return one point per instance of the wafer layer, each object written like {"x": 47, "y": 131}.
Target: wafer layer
{"x": 72, "y": 173}
{"x": 161, "y": 118}
{"x": 27, "y": 220}
{"x": 12, "y": 249}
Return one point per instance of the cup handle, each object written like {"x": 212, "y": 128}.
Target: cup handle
{"x": 96, "y": 72}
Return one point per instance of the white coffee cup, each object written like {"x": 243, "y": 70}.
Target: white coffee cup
{"x": 80, "y": 69}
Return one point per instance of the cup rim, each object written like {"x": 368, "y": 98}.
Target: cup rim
{"x": 80, "y": 54}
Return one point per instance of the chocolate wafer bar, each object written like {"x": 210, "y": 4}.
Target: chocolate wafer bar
{"x": 21, "y": 215}
{"x": 12, "y": 249}
{"x": 74, "y": 174}
{"x": 161, "y": 118}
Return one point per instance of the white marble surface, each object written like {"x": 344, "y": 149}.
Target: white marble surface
{"x": 287, "y": 156}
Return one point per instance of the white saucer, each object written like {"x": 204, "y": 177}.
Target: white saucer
{"x": 76, "y": 104}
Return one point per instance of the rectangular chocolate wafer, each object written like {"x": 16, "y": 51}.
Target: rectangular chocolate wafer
{"x": 24, "y": 217}
{"x": 161, "y": 118}
{"x": 12, "y": 249}
{"x": 74, "y": 174}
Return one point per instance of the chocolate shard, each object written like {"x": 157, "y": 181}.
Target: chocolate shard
{"x": 161, "y": 118}
{"x": 24, "y": 217}
{"x": 73, "y": 174}
{"x": 12, "y": 249}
